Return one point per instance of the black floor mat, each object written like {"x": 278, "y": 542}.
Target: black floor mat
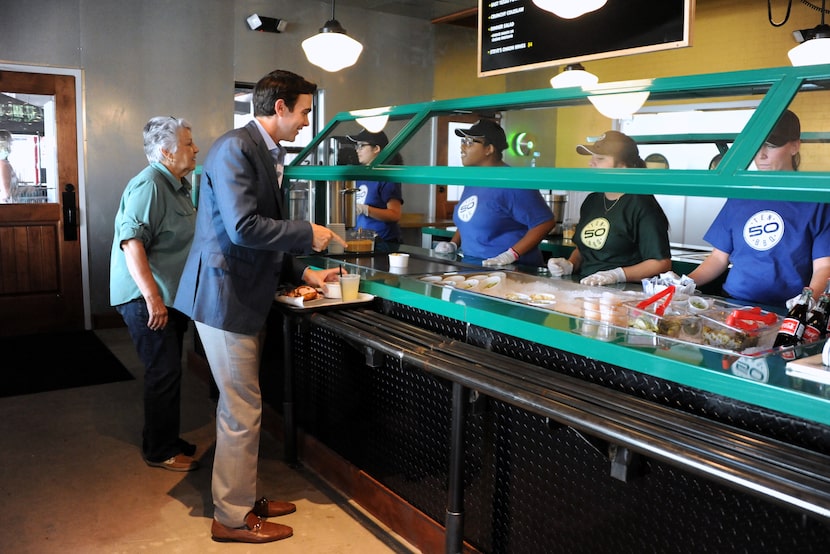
{"x": 54, "y": 361}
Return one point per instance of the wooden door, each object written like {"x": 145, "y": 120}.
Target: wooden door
{"x": 41, "y": 285}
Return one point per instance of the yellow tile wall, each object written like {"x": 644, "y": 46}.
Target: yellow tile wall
{"x": 727, "y": 35}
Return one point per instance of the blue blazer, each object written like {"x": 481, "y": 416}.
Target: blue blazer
{"x": 243, "y": 247}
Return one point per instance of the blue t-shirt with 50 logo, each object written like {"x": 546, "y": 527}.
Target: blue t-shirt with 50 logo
{"x": 771, "y": 245}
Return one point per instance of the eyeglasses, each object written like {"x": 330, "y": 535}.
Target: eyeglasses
{"x": 467, "y": 141}
{"x": 360, "y": 145}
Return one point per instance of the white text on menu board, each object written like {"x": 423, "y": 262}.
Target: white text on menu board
{"x": 504, "y": 30}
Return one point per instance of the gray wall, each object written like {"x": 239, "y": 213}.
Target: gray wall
{"x": 181, "y": 57}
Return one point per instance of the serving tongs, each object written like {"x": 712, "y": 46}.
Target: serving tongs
{"x": 749, "y": 319}
{"x": 666, "y": 295}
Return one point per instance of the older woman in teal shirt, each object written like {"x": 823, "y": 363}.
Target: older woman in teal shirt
{"x": 154, "y": 228}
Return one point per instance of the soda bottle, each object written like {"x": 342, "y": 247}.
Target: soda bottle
{"x": 792, "y": 328}
{"x": 816, "y": 326}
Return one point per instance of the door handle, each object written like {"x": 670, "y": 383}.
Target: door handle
{"x": 70, "y": 213}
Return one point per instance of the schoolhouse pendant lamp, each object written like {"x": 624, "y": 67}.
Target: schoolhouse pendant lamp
{"x": 570, "y": 9}
{"x": 816, "y": 47}
{"x": 332, "y": 49}
{"x": 372, "y": 119}
{"x": 620, "y": 105}
{"x": 574, "y": 75}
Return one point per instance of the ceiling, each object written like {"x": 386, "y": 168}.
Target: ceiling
{"x": 420, "y": 9}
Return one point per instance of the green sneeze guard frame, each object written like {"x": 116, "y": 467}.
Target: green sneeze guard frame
{"x": 773, "y": 89}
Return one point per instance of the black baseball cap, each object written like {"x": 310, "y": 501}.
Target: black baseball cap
{"x": 488, "y": 130}
{"x": 788, "y": 128}
{"x": 375, "y": 139}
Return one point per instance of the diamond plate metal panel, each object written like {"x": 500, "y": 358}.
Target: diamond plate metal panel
{"x": 531, "y": 486}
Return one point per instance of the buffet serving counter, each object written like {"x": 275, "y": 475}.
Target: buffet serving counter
{"x": 470, "y": 422}
{"x": 459, "y": 417}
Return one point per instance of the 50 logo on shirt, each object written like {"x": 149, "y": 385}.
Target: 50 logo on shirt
{"x": 595, "y": 233}
{"x": 763, "y": 230}
{"x": 467, "y": 209}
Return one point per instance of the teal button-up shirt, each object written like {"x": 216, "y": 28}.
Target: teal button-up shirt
{"x": 156, "y": 208}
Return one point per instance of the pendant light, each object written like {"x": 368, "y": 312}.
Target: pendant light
{"x": 620, "y": 105}
{"x": 332, "y": 49}
{"x": 574, "y": 75}
{"x": 373, "y": 119}
{"x": 570, "y": 9}
{"x": 815, "y": 50}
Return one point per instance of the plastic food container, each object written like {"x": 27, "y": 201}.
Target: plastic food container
{"x": 672, "y": 322}
{"x": 721, "y": 325}
{"x": 737, "y": 328}
{"x": 661, "y": 316}
{"x": 360, "y": 240}
{"x": 398, "y": 259}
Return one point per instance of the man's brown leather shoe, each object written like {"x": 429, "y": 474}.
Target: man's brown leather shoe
{"x": 273, "y": 508}
{"x": 256, "y": 530}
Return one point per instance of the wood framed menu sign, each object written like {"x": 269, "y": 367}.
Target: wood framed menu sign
{"x": 516, "y": 35}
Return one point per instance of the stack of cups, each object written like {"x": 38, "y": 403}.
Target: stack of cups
{"x": 611, "y": 313}
{"x": 591, "y": 313}
{"x": 338, "y": 229}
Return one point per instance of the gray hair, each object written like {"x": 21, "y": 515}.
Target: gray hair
{"x": 162, "y": 133}
{"x": 6, "y": 138}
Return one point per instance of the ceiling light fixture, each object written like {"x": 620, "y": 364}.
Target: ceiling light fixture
{"x": 372, "y": 119}
{"x": 574, "y": 75}
{"x": 619, "y": 106}
{"x": 816, "y": 46}
{"x": 332, "y": 49}
{"x": 570, "y": 9}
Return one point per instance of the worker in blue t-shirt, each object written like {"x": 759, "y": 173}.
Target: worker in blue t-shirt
{"x": 499, "y": 226}
{"x": 379, "y": 203}
{"x": 775, "y": 247}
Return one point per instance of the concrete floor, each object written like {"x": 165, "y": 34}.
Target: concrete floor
{"x": 72, "y": 479}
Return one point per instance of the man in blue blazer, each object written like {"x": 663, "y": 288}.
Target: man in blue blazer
{"x": 244, "y": 247}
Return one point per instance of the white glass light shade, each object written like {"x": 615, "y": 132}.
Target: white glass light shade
{"x": 372, "y": 119}
{"x": 574, "y": 78}
{"x": 811, "y": 52}
{"x": 332, "y": 51}
{"x": 570, "y": 9}
{"x": 619, "y": 106}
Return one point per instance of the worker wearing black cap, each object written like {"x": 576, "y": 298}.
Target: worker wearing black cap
{"x": 775, "y": 247}
{"x": 500, "y": 226}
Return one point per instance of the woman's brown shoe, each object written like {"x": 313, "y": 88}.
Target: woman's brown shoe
{"x": 255, "y": 530}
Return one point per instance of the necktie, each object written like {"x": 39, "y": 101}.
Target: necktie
{"x": 279, "y": 156}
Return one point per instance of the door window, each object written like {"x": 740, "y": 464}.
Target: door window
{"x": 29, "y": 120}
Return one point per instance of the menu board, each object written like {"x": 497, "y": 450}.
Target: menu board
{"x": 515, "y": 35}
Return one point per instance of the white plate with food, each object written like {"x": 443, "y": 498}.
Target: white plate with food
{"x": 542, "y": 299}
{"x": 306, "y": 297}
{"x": 489, "y": 283}
{"x": 468, "y": 284}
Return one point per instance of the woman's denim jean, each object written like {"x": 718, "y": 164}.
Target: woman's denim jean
{"x": 161, "y": 353}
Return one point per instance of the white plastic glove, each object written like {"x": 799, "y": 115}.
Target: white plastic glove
{"x": 505, "y": 258}
{"x": 362, "y": 209}
{"x": 791, "y": 302}
{"x": 559, "y": 267}
{"x": 446, "y": 247}
{"x": 609, "y": 277}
